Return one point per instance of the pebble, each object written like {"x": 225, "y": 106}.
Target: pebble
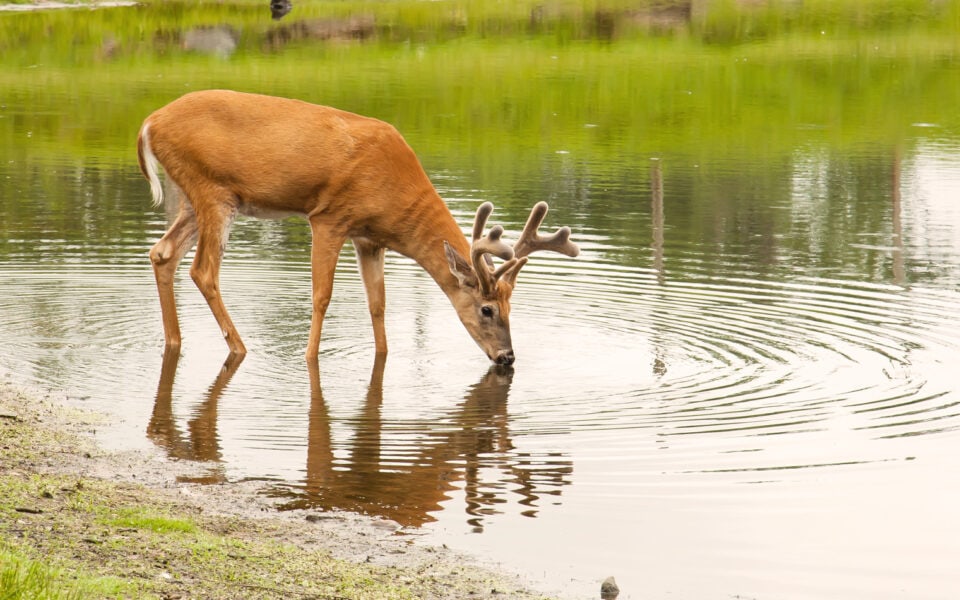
{"x": 609, "y": 589}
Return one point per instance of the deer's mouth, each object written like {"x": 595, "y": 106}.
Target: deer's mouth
{"x": 504, "y": 357}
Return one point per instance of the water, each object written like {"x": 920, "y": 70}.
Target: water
{"x": 744, "y": 387}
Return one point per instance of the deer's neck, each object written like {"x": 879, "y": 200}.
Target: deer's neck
{"x": 432, "y": 224}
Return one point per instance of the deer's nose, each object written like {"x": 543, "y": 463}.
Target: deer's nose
{"x": 505, "y": 357}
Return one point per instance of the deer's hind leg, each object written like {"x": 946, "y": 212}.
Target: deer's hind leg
{"x": 166, "y": 255}
{"x": 370, "y": 258}
{"x": 214, "y": 217}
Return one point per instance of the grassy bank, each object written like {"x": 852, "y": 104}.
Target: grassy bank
{"x": 735, "y": 77}
{"x": 72, "y": 526}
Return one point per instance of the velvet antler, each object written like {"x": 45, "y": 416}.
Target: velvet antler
{"x": 484, "y": 246}
{"x": 531, "y": 241}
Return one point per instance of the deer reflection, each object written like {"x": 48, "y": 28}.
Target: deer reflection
{"x": 406, "y": 480}
{"x": 472, "y": 441}
{"x": 202, "y": 442}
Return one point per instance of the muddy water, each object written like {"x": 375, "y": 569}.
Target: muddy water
{"x": 745, "y": 385}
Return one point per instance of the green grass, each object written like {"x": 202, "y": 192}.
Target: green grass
{"x": 22, "y": 578}
{"x": 631, "y": 91}
{"x": 142, "y": 519}
{"x": 860, "y": 75}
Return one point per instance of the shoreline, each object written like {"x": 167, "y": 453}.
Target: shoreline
{"x": 50, "y": 461}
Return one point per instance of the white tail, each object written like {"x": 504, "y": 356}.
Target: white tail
{"x": 149, "y": 164}
{"x": 351, "y": 177}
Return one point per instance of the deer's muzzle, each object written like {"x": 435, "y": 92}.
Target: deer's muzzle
{"x": 504, "y": 357}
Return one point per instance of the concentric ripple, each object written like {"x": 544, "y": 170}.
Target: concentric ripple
{"x": 728, "y": 354}
{"x": 633, "y": 387}
{"x": 601, "y": 345}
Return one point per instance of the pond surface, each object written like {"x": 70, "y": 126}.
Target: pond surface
{"x": 745, "y": 386}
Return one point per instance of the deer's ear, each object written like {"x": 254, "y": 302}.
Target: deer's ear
{"x": 460, "y": 268}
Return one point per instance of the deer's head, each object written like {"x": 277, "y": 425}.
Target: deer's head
{"x": 483, "y": 301}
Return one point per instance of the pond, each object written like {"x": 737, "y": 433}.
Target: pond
{"x": 744, "y": 386}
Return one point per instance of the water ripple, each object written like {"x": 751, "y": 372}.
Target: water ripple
{"x": 750, "y": 355}
{"x": 607, "y": 353}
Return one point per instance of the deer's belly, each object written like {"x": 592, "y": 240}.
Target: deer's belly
{"x": 266, "y": 212}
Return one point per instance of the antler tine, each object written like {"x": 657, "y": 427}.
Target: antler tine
{"x": 484, "y": 245}
{"x": 480, "y": 221}
{"x": 531, "y": 241}
{"x": 511, "y": 266}
{"x": 492, "y": 244}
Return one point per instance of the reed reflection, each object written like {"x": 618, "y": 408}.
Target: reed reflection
{"x": 657, "y": 222}
{"x": 469, "y": 449}
{"x": 899, "y": 264}
{"x": 201, "y": 442}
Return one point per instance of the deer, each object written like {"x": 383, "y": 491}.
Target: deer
{"x": 231, "y": 153}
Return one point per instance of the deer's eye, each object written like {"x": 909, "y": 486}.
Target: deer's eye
{"x": 486, "y": 311}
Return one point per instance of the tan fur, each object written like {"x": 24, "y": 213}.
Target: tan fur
{"x": 351, "y": 176}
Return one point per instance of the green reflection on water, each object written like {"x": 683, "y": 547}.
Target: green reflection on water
{"x": 516, "y": 102}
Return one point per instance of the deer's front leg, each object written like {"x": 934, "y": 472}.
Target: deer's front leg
{"x": 370, "y": 260}
{"x": 325, "y": 250}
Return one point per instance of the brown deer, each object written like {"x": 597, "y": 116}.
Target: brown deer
{"x": 351, "y": 177}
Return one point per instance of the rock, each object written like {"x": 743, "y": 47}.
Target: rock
{"x": 280, "y": 8}
{"x": 609, "y": 589}
{"x": 219, "y": 41}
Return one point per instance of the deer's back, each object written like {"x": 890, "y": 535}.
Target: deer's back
{"x": 279, "y": 154}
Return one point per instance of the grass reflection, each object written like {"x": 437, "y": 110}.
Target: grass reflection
{"x": 534, "y": 100}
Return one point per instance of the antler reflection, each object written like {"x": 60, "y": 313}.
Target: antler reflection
{"x": 474, "y": 440}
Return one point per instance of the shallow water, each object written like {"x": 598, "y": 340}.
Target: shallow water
{"x": 745, "y": 385}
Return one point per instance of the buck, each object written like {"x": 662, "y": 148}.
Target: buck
{"x": 351, "y": 176}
